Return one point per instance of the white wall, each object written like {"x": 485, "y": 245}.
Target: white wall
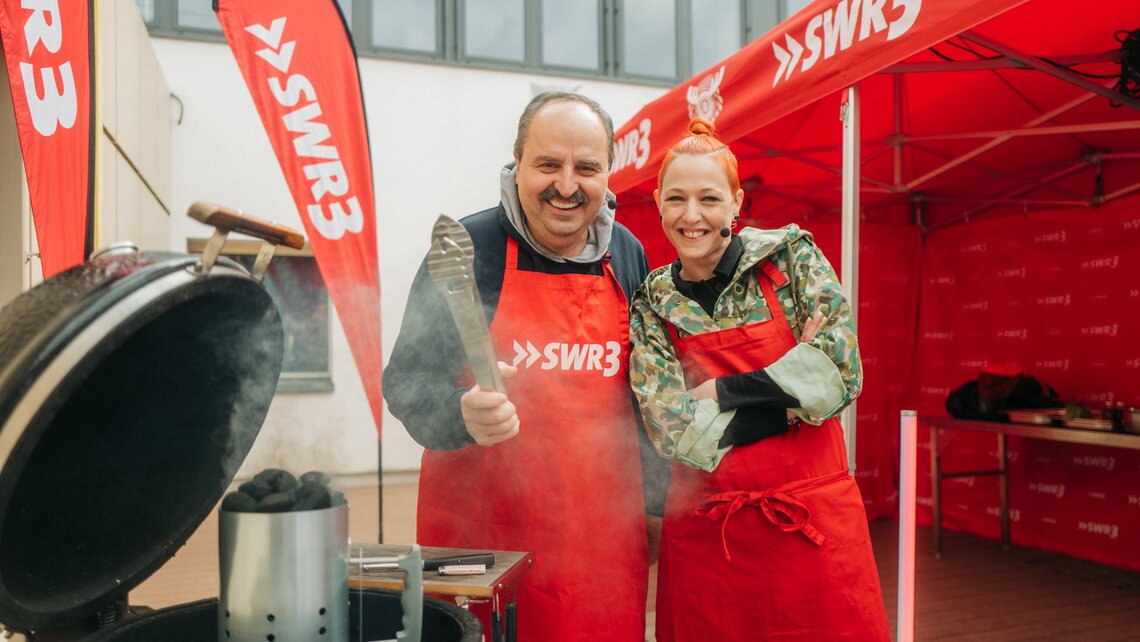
{"x": 439, "y": 135}
{"x": 13, "y": 192}
{"x": 135, "y": 110}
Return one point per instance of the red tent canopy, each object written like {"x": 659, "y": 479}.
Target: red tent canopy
{"x": 969, "y": 108}
{"x": 970, "y": 111}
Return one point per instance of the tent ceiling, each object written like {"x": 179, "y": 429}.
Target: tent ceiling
{"x": 979, "y": 123}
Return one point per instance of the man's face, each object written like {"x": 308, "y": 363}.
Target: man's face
{"x": 562, "y": 175}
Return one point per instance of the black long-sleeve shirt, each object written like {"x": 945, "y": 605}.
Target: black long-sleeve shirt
{"x": 761, "y": 405}
{"x": 428, "y": 356}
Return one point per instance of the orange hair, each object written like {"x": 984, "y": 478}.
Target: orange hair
{"x": 702, "y": 140}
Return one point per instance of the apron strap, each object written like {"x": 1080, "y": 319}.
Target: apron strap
{"x": 673, "y": 336}
{"x": 768, "y": 286}
{"x": 779, "y": 505}
{"x": 784, "y": 511}
{"x": 512, "y": 262}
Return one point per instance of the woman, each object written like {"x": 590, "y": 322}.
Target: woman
{"x": 743, "y": 354}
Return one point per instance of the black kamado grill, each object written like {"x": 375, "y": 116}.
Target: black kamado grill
{"x": 131, "y": 389}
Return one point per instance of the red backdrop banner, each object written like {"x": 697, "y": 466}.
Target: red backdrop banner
{"x": 48, "y": 51}
{"x": 1057, "y": 295}
{"x": 298, "y": 62}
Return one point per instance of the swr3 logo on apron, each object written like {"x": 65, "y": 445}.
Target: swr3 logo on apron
{"x": 571, "y": 356}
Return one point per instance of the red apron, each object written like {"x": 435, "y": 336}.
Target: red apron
{"x": 773, "y": 544}
{"x": 568, "y": 487}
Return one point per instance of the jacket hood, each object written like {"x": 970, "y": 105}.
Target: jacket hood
{"x": 599, "y": 232}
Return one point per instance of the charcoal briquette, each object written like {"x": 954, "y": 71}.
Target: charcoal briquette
{"x": 239, "y": 502}
{"x": 256, "y": 488}
{"x": 312, "y": 496}
{"x": 316, "y": 476}
{"x": 275, "y": 503}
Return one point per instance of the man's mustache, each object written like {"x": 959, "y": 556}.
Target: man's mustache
{"x": 551, "y": 193}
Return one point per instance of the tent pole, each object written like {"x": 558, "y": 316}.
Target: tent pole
{"x": 908, "y": 472}
{"x": 849, "y": 269}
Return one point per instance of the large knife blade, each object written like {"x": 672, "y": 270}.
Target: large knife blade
{"x": 451, "y": 265}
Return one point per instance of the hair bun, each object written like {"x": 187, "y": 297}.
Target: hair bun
{"x": 701, "y": 127}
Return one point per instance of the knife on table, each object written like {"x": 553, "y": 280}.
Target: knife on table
{"x": 430, "y": 564}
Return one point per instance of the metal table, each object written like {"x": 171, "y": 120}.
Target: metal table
{"x": 497, "y": 586}
{"x": 1003, "y": 431}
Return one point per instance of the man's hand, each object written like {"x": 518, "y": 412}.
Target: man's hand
{"x": 490, "y": 416}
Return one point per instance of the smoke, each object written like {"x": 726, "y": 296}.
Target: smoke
{"x": 247, "y": 364}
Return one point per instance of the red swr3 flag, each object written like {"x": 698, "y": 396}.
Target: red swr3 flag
{"x": 48, "y": 51}
{"x": 300, "y": 67}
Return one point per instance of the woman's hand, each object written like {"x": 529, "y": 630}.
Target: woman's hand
{"x": 706, "y": 390}
{"x": 811, "y": 328}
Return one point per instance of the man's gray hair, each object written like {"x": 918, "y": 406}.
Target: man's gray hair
{"x": 547, "y": 97}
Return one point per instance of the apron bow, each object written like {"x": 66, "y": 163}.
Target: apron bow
{"x": 784, "y": 511}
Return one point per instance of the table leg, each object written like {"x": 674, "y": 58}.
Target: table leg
{"x": 512, "y": 621}
{"x": 1003, "y": 484}
{"x": 496, "y": 627}
{"x": 936, "y": 492}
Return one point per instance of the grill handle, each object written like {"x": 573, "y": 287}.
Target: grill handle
{"x": 225, "y": 220}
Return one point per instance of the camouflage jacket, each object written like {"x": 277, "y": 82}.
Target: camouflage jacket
{"x": 825, "y": 375}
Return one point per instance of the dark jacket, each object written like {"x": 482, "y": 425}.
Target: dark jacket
{"x": 428, "y": 356}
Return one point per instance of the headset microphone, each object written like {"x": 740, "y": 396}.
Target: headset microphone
{"x": 725, "y": 232}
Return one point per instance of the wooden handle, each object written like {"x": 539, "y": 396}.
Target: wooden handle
{"x": 228, "y": 220}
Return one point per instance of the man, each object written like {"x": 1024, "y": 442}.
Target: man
{"x": 552, "y": 466}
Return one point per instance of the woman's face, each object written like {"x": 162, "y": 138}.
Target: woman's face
{"x": 696, "y": 202}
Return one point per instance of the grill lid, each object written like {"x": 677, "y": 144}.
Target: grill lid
{"x": 131, "y": 389}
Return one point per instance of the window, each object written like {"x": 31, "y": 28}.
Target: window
{"x": 405, "y": 24}
{"x": 657, "y": 42}
{"x": 649, "y": 41}
{"x": 570, "y": 34}
{"x": 792, "y": 7}
{"x": 716, "y": 33}
{"x": 297, "y": 288}
{"x": 198, "y": 14}
{"x": 494, "y": 29}
{"x": 146, "y": 10}
{"x": 194, "y": 18}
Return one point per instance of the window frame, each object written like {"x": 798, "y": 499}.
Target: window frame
{"x": 756, "y": 18}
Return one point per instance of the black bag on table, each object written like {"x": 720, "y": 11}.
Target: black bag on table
{"x": 989, "y": 394}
